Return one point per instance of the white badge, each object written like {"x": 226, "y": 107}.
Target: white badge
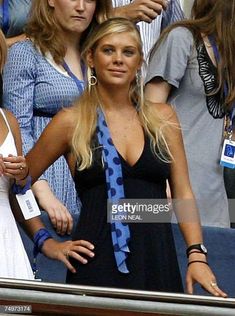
{"x": 228, "y": 154}
{"x": 28, "y": 205}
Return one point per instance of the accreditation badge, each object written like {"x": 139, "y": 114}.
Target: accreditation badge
{"x": 28, "y": 205}
{"x": 228, "y": 154}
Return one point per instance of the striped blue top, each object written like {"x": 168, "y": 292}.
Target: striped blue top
{"x": 32, "y": 84}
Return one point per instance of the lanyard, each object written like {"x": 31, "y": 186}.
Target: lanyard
{"x": 231, "y": 114}
{"x": 79, "y": 83}
{"x": 5, "y": 16}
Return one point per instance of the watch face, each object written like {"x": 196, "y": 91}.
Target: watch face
{"x": 203, "y": 248}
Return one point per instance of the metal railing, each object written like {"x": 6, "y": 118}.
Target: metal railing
{"x": 51, "y": 298}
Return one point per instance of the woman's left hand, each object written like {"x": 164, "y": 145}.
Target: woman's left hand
{"x": 201, "y": 273}
{"x": 15, "y": 167}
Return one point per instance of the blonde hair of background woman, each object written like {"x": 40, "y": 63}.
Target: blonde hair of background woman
{"x": 87, "y": 105}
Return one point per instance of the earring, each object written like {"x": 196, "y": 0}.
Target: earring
{"x": 92, "y": 80}
{"x": 140, "y": 90}
{"x": 138, "y": 79}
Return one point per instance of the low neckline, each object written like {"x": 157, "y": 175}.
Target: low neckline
{"x": 139, "y": 158}
{"x": 213, "y": 66}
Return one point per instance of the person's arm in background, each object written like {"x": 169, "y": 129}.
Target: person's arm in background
{"x": 139, "y": 10}
{"x": 160, "y": 77}
{"x": 157, "y": 90}
{"x": 163, "y": 73}
{"x": 19, "y": 82}
{"x": 18, "y": 89}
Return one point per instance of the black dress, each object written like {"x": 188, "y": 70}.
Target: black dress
{"x": 152, "y": 261}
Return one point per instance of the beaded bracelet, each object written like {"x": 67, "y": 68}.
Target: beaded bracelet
{"x": 194, "y": 261}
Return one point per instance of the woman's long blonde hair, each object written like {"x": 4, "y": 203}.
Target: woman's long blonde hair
{"x": 86, "y": 107}
{"x": 217, "y": 18}
{"x": 45, "y": 30}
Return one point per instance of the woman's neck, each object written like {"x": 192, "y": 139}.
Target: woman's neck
{"x": 71, "y": 40}
{"x": 72, "y": 55}
{"x": 209, "y": 49}
{"x": 111, "y": 101}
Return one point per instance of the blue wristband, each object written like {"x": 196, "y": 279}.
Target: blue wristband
{"x": 18, "y": 189}
{"x": 39, "y": 238}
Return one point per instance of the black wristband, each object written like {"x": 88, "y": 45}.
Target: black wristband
{"x": 200, "y": 247}
{"x": 200, "y": 261}
{"x": 199, "y": 252}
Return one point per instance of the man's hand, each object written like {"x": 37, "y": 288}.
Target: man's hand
{"x": 141, "y": 10}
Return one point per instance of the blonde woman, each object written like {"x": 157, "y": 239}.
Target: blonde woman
{"x": 117, "y": 146}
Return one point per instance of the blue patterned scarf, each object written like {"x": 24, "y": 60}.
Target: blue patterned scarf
{"x": 114, "y": 180}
